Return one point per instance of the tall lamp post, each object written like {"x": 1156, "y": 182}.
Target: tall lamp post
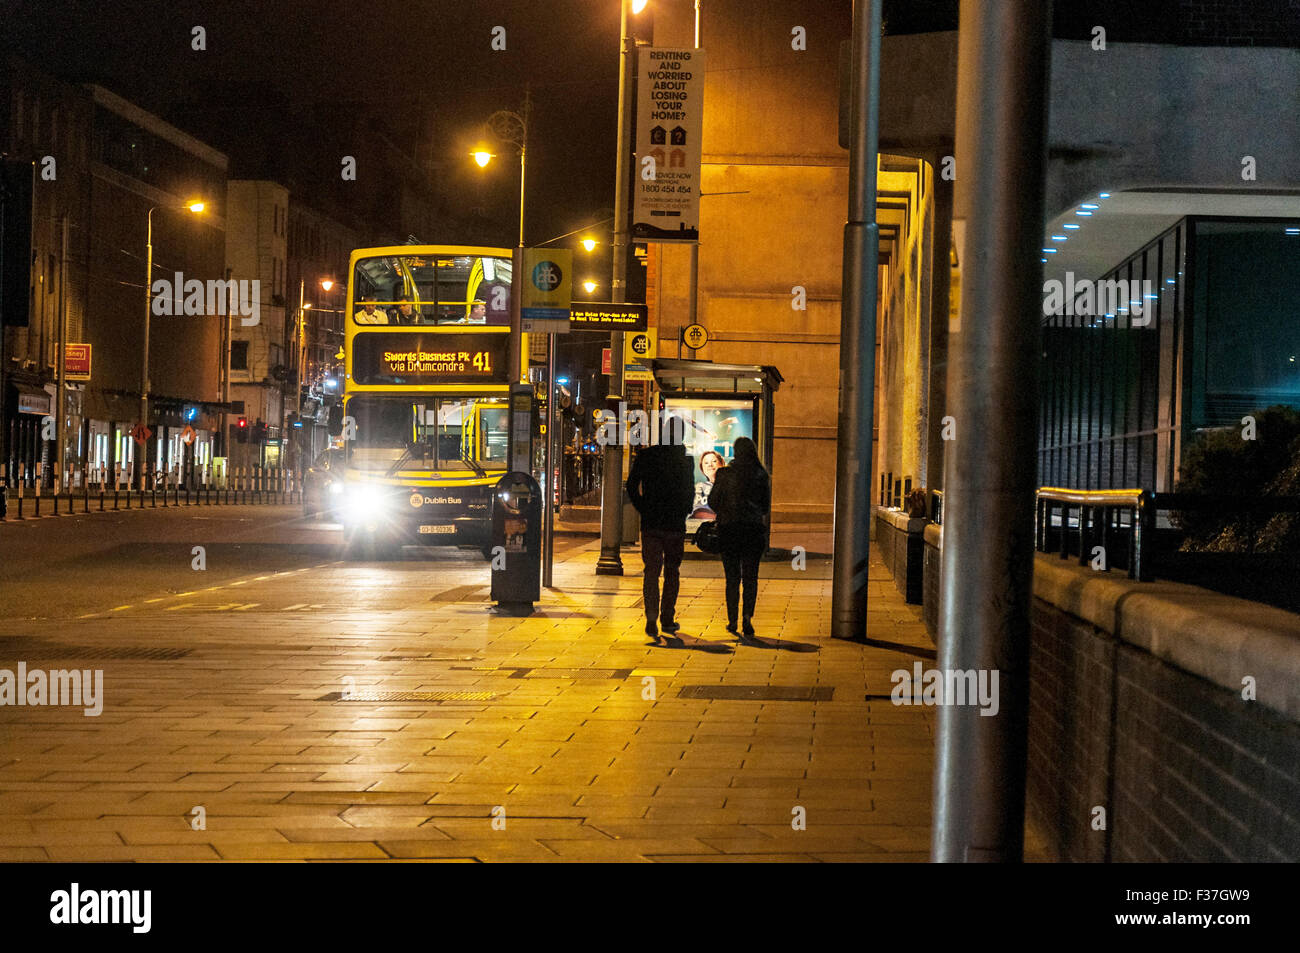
{"x": 194, "y": 206}
{"x": 512, "y": 128}
{"x": 610, "y": 562}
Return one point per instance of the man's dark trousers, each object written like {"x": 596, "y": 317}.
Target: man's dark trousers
{"x": 661, "y": 549}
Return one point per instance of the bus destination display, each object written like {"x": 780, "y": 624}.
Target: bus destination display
{"x": 449, "y": 358}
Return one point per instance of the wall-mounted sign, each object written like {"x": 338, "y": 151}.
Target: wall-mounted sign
{"x": 427, "y": 357}
{"x": 695, "y": 336}
{"x": 639, "y": 349}
{"x": 670, "y": 117}
{"x": 602, "y": 316}
{"x": 76, "y": 363}
{"x": 547, "y": 290}
{"x": 606, "y": 361}
{"x": 29, "y": 403}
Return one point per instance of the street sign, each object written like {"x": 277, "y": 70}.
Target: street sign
{"x": 141, "y": 434}
{"x": 670, "y": 117}
{"x": 639, "y": 349}
{"x": 76, "y": 363}
{"x": 188, "y": 434}
{"x": 606, "y": 362}
{"x": 547, "y": 290}
{"x": 695, "y": 336}
{"x": 605, "y": 316}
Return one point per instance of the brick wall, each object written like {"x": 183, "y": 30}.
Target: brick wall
{"x": 1186, "y": 770}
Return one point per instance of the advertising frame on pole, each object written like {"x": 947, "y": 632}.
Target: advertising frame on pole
{"x": 546, "y": 288}
{"x": 669, "y": 125}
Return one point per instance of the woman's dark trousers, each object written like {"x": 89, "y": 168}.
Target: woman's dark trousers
{"x": 743, "y": 545}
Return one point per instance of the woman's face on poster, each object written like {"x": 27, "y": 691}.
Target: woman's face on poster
{"x": 710, "y": 464}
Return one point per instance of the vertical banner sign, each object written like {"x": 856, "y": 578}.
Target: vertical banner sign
{"x": 639, "y": 349}
{"x": 547, "y": 290}
{"x": 669, "y": 118}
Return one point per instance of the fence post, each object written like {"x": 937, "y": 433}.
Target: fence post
{"x": 1144, "y": 525}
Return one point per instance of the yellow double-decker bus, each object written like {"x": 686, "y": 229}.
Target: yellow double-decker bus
{"x": 425, "y": 409}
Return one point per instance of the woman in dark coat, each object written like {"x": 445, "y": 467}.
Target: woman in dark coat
{"x": 742, "y": 498}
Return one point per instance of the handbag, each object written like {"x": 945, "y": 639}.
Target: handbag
{"x": 707, "y": 539}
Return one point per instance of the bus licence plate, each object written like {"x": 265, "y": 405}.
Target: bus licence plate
{"x": 440, "y": 529}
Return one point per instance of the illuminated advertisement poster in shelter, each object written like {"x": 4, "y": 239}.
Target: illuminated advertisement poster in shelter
{"x": 712, "y": 426}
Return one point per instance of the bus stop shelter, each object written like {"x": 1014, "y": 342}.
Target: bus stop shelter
{"x": 720, "y": 403}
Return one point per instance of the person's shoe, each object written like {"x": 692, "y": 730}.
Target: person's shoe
{"x": 731, "y": 627}
{"x": 651, "y": 630}
{"x": 748, "y": 629}
{"x": 669, "y": 627}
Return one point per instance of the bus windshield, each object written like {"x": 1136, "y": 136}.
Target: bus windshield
{"x": 431, "y": 290}
{"x": 395, "y": 433}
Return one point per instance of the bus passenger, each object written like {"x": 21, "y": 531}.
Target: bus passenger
{"x": 406, "y": 313}
{"x": 369, "y": 314}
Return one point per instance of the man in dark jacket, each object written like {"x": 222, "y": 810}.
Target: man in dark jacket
{"x": 661, "y": 488}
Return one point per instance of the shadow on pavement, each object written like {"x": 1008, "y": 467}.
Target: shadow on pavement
{"x": 780, "y": 645}
{"x": 683, "y": 641}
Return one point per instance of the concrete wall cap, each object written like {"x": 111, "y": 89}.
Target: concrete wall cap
{"x": 1221, "y": 638}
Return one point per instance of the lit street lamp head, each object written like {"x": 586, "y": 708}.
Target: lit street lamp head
{"x": 196, "y": 206}
{"x": 589, "y": 286}
{"x": 482, "y": 157}
{"x": 326, "y": 283}
{"x": 589, "y": 244}
{"x": 639, "y": 5}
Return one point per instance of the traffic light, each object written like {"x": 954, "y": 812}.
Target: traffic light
{"x": 241, "y": 430}
{"x": 259, "y": 432}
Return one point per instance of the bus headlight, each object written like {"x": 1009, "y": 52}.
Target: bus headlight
{"x": 336, "y": 488}
{"x": 365, "y": 503}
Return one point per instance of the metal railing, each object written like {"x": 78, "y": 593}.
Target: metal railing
{"x": 1099, "y": 522}
{"x": 98, "y": 490}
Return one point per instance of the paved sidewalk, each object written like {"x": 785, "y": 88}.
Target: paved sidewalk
{"x": 596, "y": 744}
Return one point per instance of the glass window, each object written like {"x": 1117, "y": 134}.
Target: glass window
{"x": 447, "y": 433}
{"x": 420, "y": 289}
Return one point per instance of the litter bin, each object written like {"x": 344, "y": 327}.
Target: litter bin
{"x": 516, "y": 545}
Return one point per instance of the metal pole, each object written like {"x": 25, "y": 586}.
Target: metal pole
{"x": 225, "y": 378}
{"x": 144, "y": 360}
{"x": 858, "y": 338}
{"x": 988, "y": 549}
{"x": 548, "y": 512}
{"x": 610, "y": 562}
{"x": 693, "y": 305}
{"x": 300, "y": 330}
{"x": 60, "y": 404}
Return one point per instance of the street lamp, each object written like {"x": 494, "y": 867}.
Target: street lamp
{"x": 589, "y": 286}
{"x": 193, "y": 205}
{"x": 589, "y": 244}
{"x": 512, "y": 128}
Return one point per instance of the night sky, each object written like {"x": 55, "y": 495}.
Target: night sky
{"x": 285, "y": 87}
{"x": 278, "y": 79}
